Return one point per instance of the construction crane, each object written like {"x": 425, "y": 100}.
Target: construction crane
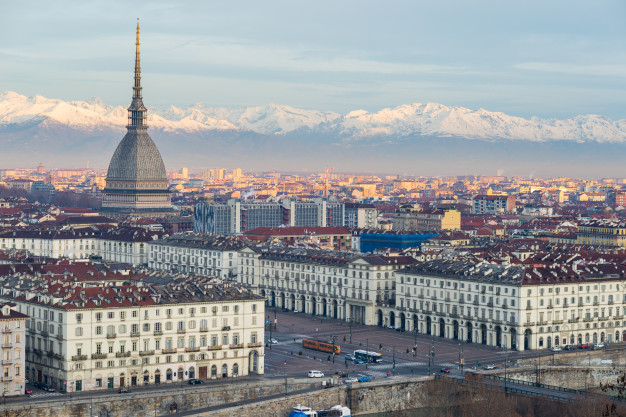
{"x": 326, "y": 183}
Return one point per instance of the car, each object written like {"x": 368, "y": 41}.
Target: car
{"x": 295, "y": 311}
{"x": 598, "y": 346}
{"x": 28, "y": 391}
{"x": 38, "y": 385}
{"x": 364, "y": 378}
{"x": 445, "y": 371}
{"x": 273, "y": 341}
{"x": 358, "y": 361}
{"x": 570, "y": 347}
{"x": 47, "y": 388}
{"x": 556, "y": 349}
{"x": 583, "y": 346}
{"x": 341, "y": 374}
{"x": 399, "y": 329}
{"x": 123, "y": 390}
{"x": 350, "y": 357}
{"x": 351, "y": 380}
{"x": 316, "y": 374}
{"x": 490, "y": 367}
{"x": 195, "y": 381}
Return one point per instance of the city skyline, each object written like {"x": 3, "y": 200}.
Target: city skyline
{"x": 503, "y": 58}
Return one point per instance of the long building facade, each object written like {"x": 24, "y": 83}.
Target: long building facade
{"x": 85, "y": 335}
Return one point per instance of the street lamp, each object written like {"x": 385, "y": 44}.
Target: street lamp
{"x": 350, "y": 324}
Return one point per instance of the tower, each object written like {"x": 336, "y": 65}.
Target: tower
{"x": 136, "y": 183}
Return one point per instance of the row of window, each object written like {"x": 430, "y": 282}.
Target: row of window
{"x": 157, "y": 312}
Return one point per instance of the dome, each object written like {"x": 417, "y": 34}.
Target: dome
{"x": 136, "y": 159}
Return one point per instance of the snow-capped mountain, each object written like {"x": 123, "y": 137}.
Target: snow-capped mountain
{"x": 429, "y": 119}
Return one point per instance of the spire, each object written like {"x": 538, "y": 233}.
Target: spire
{"x": 137, "y": 112}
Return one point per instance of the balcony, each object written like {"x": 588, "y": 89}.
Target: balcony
{"x": 44, "y": 333}
{"x": 181, "y": 331}
{"x": 529, "y": 324}
{"x": 542, "y": 323}
{"x": 255, "y": 344}
{"x": 204, "y": 329}
{"x": 192, "y": 349}
{"x": 7, "y": 378}
{"x": 37, "y": 352}
{"x": 217, "y": 347}
{"x": 59, "y": 336}
{"x": 603, "y": 318}
{"x": 158, "y": 332}
{"x": 99, "y": 356}
{"x": 169, "y": 351}
{"x": 588, "y": 319}
{"x": 122, "y": 354}
{"x": 7, "y": 330}
{"x": 7, "y": 346}
{"x": 557, "y": 321}
{"x": 572, "y": 321}
{"x": 225, "y": 328}
{"x": 237, "y": 346}
{"x": 146, "y": 352}
{"x": 79, "y": 358}
{"x": 133, "y": 334}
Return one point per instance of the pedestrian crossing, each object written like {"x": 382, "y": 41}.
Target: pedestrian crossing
{"x": 398, "y": 365}
{"x": 45, "y": 394}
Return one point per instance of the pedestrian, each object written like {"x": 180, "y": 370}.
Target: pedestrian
{"x": 285, "y": 363}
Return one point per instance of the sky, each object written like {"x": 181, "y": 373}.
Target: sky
{"x": 551, "y": 59}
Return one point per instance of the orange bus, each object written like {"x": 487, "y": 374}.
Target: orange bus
{"x": 321, "y": 346}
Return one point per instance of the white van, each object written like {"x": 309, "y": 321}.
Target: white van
{"x": 316, "y": 374}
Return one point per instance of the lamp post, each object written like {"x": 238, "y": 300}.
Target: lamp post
{"x": 333, "y": 336}
{"x": 367, "y": 349}
{"x": 350, "y": 324}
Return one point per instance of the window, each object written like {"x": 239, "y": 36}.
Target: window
{"x": 98, "y": 316}
{"x": 79, "y": 331}
{"x": 79, "y": 318}
{"x": 110, "y": 315}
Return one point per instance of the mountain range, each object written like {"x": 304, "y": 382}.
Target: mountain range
{"x": 414, "y": 138}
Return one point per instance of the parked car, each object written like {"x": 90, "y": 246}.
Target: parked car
{"x": 47, "y": 388}
{"x": 583, "y": 346}
{"x": 358, "y": 361}
{"x": 195, "y": 381}
{"x": 364, "y": 378}
{"x": 490, "y": 367}
{"x": 316, "y": 374}
{"x": 445, "y": 371}
{"x": 598, "y": 346}
{"x": 556, "y": 348}
{"x": 570, "y": 347}
{"x": 28, "y": 391}
{"x": 123, "y": 390}
{"x": 273, "y": 341}
{"x": 351, "y": 379}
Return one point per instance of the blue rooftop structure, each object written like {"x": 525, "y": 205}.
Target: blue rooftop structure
{"x": 373, "y": 241}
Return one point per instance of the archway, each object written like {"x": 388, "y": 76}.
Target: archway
{"x": 168, "y": 374}
{"x": 335, "y": 309}
{"x": 455, "y": 330}
{"x": 415, "y": 323}
{"x": 235, "y": 370}
{"x": 224, "y": 371}
{"x": 498, "y": 336}
{"x": 180, "y": 373}
{"x": 470, "y": 332}
{"x": 253, "y": 361}
{"x": 595, "y": 338}
{"x": 292, "y": 299}
{"x": 392, "y": 319}
{"x": 146, "y": 377}
{"x": 602, "y": 337}
{"x": 157, "y": 376}
{"x": 325, "y": 307}
{"x": 580, "y": 339}
{"x": 273, "y": 298}
{"x": 442, "y": 328}
{"x": 303, "y": 304}
{"x": 527, "y": 339}
{"x": 380, "y": 317}
{"x": 402, "y": 323}
{"x": 213, "y": 371}
{"x": 313, "y": 306}
{"x": 428, "y": 326}
{"x": 549, "y": 342}
{"x": 483, "y": 334}
{"x": 283, "y": 300}
{"x": 192, "y": 372}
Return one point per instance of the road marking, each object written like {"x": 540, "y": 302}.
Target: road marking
{"x": 46, "y": 394}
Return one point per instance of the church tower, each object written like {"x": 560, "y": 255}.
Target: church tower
{"x": 136, "y": 183}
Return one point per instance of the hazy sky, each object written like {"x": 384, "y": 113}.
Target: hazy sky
{"x": 544, "y": 58}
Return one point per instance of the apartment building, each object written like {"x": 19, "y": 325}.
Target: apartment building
{"x": 493, "y": 204}
{"x": 602, "y": 232}
{"x": 13, "y": 325}
{"x": 520, "y": 308}
{"x": 196, "y": 253}
{"x": 342, "y": 285}
{"x": 361, "y": 216}
{"x": 160, "y": 330}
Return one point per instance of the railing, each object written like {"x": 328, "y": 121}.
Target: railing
{"x": 168, "y": 351}
{"x": 158, "y": 332}
{"x": 37, "y": 352}
{"x": 557, "y": 321}
{"x": 134, "y": 334}
{"x": 45, "y": 333}
{"x": 204, "y": 329}
{"x": 193, "y": 349}
{"x": 59, "y": 336}
{"x": 111, "y": 336}
{"x": 216, "y": 347}
{"x": 98, "y": 356}
{"x": 5, "y": 330}
{"x": 146, "y": 352}
{"x": 587, "y": 319}
{"x": 79, "y": 358}
{"x": 255, "y": 344}
{"x": 122, "y": 354}
{"x": 529, "y": 324}
{"x": 225, "y": 328}
{"x": 7, "y": 346}
{"x": 236, "y": 346}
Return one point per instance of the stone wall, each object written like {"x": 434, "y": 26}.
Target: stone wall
{"x": 362, "y": 398}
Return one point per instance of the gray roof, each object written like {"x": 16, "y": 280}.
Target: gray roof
{"x": 137, "y": 159}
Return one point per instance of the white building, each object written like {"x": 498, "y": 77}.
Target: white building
{"x": 361, "y": 216}
{"x": 106, "y": 334}
{"x": 341, "y": 285}
{"x": 196, "y": 253}
{"x": 13, "y": 324}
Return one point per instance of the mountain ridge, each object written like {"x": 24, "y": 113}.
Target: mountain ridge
{"x": 407, "y": 120}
